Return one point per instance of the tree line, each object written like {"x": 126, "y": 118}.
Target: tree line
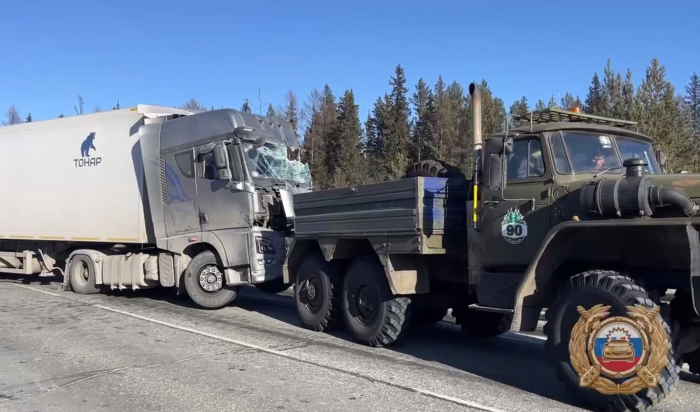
{"x": 434, "y": 122}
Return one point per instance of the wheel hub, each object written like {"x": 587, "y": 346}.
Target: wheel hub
{"x": 311, "y": 292}
{"x": 366, "y": 302}
{"x": 211, "y": 279}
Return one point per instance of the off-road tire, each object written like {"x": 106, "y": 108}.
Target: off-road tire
{"x": 433, "y": 168}
{"x": 273, "y": 287}
{"x": 392, "y": 316}
{"x": 322, "y": 314}
{"x": 207, "y": 300}
{"x": 610, "y": 288}
{"x": 480, "y": 324}
{"x": 79, "y": 284}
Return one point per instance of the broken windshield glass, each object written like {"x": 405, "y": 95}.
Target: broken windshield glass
{"x": 271, "y": 161}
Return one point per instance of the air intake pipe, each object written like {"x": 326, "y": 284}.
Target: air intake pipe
{"x": 633, "y": 195}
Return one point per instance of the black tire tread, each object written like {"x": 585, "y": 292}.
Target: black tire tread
{"x": 433, "y": 168}
{"x": 331, "y": 317}
{"x": 397, "y": 319}
{"x": 194, "y": 291}
{"x": 631, "y": 293}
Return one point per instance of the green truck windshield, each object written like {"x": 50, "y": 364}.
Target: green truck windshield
{"x": 593, "y": 153}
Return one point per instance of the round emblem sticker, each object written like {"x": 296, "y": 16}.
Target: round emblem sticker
{"x": 618, "y": 348}
{"x": 514, "y": 227}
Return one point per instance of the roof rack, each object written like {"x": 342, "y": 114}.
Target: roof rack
{"x": 551, "y": 115}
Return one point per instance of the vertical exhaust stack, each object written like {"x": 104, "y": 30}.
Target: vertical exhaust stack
{"x": 476, "y": 121}
{"x": 478, "y": 158}
{"x": 476, "y": 115}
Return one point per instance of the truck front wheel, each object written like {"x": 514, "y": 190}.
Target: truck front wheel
{"x": 612, "y": 289}
{"x": 317, "y": 293}
{"x": 81, "y": 271}
{"x": 206, "y": 284}
{"x": 372, "y": 314}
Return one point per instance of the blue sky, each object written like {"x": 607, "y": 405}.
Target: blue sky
{"x": 221, "y": 52}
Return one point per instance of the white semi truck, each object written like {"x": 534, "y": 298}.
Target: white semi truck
{"x": 149, "y": 197}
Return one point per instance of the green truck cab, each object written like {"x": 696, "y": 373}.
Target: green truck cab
{"x": 570, "y": 213}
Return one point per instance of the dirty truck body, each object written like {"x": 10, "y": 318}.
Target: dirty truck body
{"x": 568, "y": 211}
{"x": 147, "y": 197}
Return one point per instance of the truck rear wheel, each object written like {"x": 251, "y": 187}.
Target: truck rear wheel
{"x": 206, "y": 284}
{"x": 81, "y": 271}
{"x": 611, "y": 289}
{"x": 317, "y": 293}
{"x": 372, "y": 314}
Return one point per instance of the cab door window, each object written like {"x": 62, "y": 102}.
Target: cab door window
{"x": 526, "y": 161}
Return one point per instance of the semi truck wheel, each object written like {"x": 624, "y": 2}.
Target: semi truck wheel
{"x": 273, "y": 287}
{"x": 206, "y": 284}
{"x": 81, "y": 271}
{"x": 317, "y": 292}
{"x": 610, "y": 289}
{"x": 372, "y": 314}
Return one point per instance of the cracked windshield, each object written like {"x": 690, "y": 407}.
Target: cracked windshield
{"x": 272, "y": 161}
{"x": 306, "y": 206}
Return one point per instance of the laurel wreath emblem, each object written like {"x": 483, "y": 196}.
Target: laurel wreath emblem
{"x": 647, "y": 321}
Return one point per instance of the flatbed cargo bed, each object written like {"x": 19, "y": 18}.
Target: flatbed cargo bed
{"x": 412, "y": 212}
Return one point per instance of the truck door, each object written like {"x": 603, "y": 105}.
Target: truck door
{"x": 221, "y": 203}
{"x": 511, "y": 230}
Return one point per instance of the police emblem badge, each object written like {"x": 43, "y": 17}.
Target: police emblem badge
{"x": 631, "y": 350}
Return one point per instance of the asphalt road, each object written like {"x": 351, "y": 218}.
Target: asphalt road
{"x": 151, "y": 351}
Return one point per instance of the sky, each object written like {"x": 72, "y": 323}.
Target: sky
{"x": 221, "y": 52}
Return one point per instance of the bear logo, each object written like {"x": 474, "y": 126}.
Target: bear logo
{"x": 88, "y": 144}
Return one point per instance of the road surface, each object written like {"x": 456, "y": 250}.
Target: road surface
{"x": 151, "y": 351}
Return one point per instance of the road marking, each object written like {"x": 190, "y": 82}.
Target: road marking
{"x": 281, "y": 354}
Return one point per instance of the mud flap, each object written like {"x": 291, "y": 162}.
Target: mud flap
{"x": 694, "y": 242}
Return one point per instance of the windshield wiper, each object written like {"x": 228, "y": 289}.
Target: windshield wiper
{"x": 605, "y": 171}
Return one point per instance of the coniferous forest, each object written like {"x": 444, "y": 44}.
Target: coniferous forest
{"x": 433, "y": 121}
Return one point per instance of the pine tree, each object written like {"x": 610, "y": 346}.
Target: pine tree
{"x": 398, "y": 126}
{"x": 291, "y": 111}
{"x": 540, "y": 105}
{"x": 692, "y": 103}
{"x": 595, "y": 99}
{"x": 28, "y": 119}
{"x": 60, "y": 115}
{"x": 663, "y": 120}
{"x": 271, "y": 112}
{"x": 422, "y": 136}
{"x": 569, "y": 101}
{"x": 116, "y": 107}
{"x": 552, "y": 104}
{"x": 520, "y": 107}
{"x": 345, "y": 145}
{"x": 246, "y": 107}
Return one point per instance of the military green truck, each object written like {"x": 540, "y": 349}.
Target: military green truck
{"x": 564, "y": 213}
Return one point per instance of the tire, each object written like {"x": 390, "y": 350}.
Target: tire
{"x": 273, "y": 287}
{"x": 317, "y": 293}
{"x": 610, "y": 288}
{"x": 384, "y": 318}
{"x": 433, "y": 168}
{"x": 479, "y": 324}
{"x": 205, "y": 265}
{"x": 81, "y": 272}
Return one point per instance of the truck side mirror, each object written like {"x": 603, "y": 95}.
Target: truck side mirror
{"x": 661, "y": 159}
{"x": 496, "y": 150}
{"x": 222, "y": 165}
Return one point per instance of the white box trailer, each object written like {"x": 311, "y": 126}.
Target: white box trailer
{"x": 138, "y": 197}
